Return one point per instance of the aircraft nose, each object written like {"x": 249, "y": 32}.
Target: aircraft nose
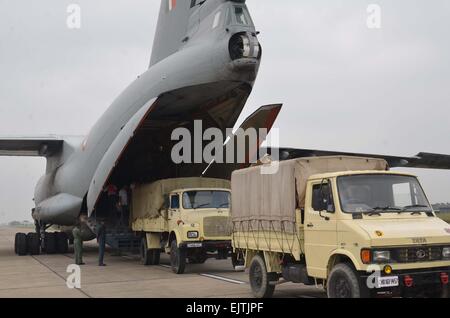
{"x": 244, "y": 45}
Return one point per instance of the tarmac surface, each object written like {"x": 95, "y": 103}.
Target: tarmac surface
{"x": 45, "y": 276}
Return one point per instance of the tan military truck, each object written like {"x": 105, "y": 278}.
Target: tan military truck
{"x": 187, "y": 218}
{"x": 347, "y": 224}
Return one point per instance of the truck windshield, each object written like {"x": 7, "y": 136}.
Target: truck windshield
{"x": 381, "y": 193}
{"x": 206, "y": 200}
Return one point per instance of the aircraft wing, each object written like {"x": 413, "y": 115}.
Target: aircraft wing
{"x": 264, "y": 117}
{"x": 422, "y": 160}
{"x": 30, "y": 147}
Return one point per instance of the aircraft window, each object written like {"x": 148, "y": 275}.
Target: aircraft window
{"x": 217, "y": 19}
{"x": 242, "y": 15}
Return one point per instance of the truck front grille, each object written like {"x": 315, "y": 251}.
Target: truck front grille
{"x": 418, "y": 254}
{"x": 216, "y": 226}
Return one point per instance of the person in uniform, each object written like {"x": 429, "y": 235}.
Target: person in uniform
{"x": 78, "y": 245}
{"x": 101, "y": 239}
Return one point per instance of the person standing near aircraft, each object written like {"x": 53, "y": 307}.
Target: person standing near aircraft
{"x": 123, "y": 204}
{"x": 111, "y": 191}
{"x": 101, "y": 239}
{"x": 78, "y": 242}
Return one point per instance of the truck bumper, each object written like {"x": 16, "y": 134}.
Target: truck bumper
{"x": 208, "y": 246}
{"x": 413, "y": 283}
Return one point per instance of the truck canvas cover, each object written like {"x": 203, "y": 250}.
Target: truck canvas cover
{"x": 270, "y": 201}
{"x": 148, "y": 199}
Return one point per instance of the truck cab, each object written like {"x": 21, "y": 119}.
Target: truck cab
{"x": 199, "y": 225}
{"x": 347, "y": 224}
{"x": 377, "y": 227}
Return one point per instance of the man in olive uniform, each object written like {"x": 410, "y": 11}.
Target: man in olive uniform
{"x": 78, "y": 245}
{"x": 101, "y": 239}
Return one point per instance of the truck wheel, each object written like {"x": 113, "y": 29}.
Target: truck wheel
{"x": 50, "y": 243}
{"x": 177, "y": 258}
{"x": 21, "y": 244}
{"x": 343, "y": 283}
{"x": 260, "y": 281}
{"x": 33, "y": 244}
{"x": 146, "y": 254}
{"x": 156, "y": 257}
{"x": 62, "y": 243}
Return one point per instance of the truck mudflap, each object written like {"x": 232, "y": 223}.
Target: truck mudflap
{"x": 208, "y": 246}
{"x": 413, "y": 283}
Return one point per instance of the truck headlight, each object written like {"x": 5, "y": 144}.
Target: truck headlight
{"x": 446, "y": 253}
{"x": 192, "y": 234}
{"x": 381, "y": 256}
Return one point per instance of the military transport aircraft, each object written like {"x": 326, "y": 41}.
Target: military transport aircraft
{"x": 205, "y": 60}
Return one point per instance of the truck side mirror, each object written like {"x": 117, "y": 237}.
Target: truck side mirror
{"x": 326, "y": 196}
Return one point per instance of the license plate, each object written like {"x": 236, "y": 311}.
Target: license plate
{"x": 194, "y": 245}
{"x": 389, "y": 281}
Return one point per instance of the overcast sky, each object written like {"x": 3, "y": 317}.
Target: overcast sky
{"x": 344, "y": 86}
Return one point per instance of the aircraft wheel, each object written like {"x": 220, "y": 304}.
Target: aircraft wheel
{"x": 15, "y": 244}
{"x": 33, "y": 243}
{"x": 50, "y": 243}
{"x": 62, "y": 243}
{"x": 21, "y": 244}
{"x": 177, "y": 258}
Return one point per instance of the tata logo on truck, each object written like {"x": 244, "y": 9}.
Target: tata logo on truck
{"x": 419, "y": 240}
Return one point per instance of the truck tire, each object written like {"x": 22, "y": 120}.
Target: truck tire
{"x": 343, "y": 282}
{"x": 21, "y": 244}
{"x": 156, "y": 257}
{"x": 33, "y": 244}
{"x": 50, "y": 243}
{"x": 146, "y": 254}
{"x": 149, "y": 256}
{"x": 260, "y": 280}
{"x": 177, "y": 258}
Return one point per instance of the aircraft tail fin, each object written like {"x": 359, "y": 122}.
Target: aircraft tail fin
{"x": 172, "y": 27}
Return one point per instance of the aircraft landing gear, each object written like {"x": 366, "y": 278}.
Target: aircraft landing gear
{"x": 35, "y": 242}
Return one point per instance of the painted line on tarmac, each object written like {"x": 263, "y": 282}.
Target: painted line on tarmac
{"x": 228, "y": 280}
{"x": 216, "y": 277}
